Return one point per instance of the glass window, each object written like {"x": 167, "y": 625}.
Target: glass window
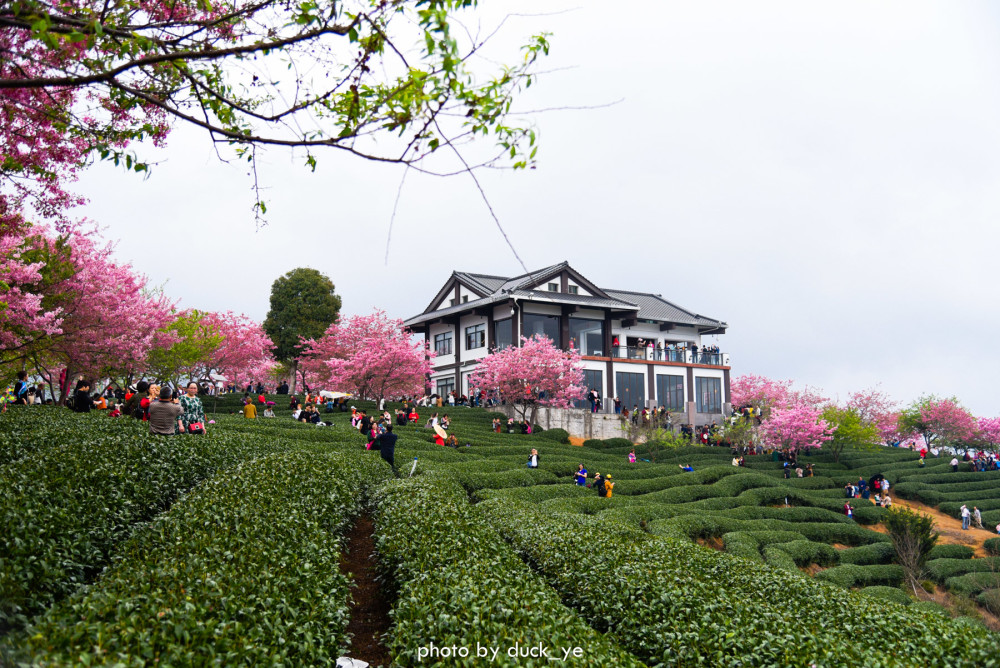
{"x": 452, "y": 302}
{"x": 592, "y": 380}
{"x": 442, "y": 343}
{"x": 573, "y": 290}
{"x": 475, "y": 337}
{"x": 631, "y": 389}
{"x": 553, "y": 287}
{"x": 504, "y": 333}
{"x": 587, "y": 336}
{"x": 546, "y": 325}
{"x": 465, "y": 299}
{"x": 670, "y": 392}
{"x": 708, "y": 395}
{"x": 445, "y": 386}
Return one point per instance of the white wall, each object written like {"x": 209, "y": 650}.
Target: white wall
{"x": 441, "y": 360}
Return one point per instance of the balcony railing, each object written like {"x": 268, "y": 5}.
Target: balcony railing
{"x": 683, "y": 356}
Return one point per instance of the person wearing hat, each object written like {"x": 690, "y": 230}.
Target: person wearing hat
{"x": 599, "y": 484}
{"x": 966, "y": 516}
{"x": 608, "y": 486}
{"x": 165, "y": 414}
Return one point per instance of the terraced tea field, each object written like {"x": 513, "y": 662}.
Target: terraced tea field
{"x": 121, "y": 548}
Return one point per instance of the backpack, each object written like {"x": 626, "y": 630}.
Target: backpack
{"x": 601, "y": 489}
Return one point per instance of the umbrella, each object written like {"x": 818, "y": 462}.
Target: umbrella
{"x": 440, "y": 432}
{"x": 326, "y": 394}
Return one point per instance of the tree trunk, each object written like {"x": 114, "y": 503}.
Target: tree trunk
{"x": 295, "y": 376}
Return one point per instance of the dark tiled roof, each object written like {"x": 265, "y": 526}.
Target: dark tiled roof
{"x": 647, "y": 306}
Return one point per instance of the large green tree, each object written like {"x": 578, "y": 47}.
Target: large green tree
{"x": 850, "y": 431}
{"x": 303, "y": 305}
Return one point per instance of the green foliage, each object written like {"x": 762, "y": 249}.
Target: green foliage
{"x": 992, "y": 545}
{"x": 852, "y": 575}
{"x": 66, "y": 506}
{"x": 460, "y": 584}
{"x": 557, "y": 435}
{"x": 850, "y": 431}
{"x": 194, "y": 345}
{"x": 894, "y": 594}
{"x": 868, "y": 555}
{"x": 303, "y": 305}
{"x": 943, "y": 551}
{"x": 213, "y": 600}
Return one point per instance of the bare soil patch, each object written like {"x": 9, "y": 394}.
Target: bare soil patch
{"x": 370, "y": 603}
{"x": 715, "y": 543}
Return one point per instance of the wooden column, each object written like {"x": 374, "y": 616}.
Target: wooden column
{"x": 458, "y": 355}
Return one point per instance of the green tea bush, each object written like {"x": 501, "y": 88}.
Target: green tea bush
{"x": 670, "y": 602}
{"x": 868, "y": 555}
{"x": 557, "y": 435}
{"x": 805, "y": 552}
{"x": 943, "y": 551}
{"x": 243, "y": 571}
{"x": 65, "y": 507}
{"x": 460, "y": 584}
{"x": 992, "y": 545}
{"x": 943, "y": 569}
{"x": 972, "y": 584}
{"x": 894, "y": 594}
{"x": 852, "y": 575}
{"x": 775, "y": 557}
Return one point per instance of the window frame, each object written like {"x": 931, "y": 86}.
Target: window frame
{"x": 442, "y": 338}
{"x": 472, "y": 330}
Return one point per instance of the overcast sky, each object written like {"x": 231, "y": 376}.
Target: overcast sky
{"x": 822, "y": 176}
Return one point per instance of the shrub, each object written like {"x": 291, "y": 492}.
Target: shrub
{"x": 894, "y": 594}
{"x": 778, "y": 558}
{"x": 950, "y": 552}
{"x": 229, "y": 585}
{"x": 990, "y": 599}
{"x": 943, "y": 569}
{"x": 852, "y": 575}
{"x": 867, "y": 555}
{"x": 594, "y": 443}
{"x": 618, "y": 443}
{"x": 557, "y": 435}
{"x": 461, "y": 584}
{"x": 805, "y": 552}
{"x": 971, "y": 584}
{"x": 992, "y": 545}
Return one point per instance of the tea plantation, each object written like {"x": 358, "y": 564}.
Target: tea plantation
{"x": 119, "y": 548}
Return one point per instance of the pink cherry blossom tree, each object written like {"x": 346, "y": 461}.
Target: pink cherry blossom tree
{"x": 878, "y": 409}
{"x": 372, "y": 356}
{"x": 989, "y": 431}
{"x": 535, "y": 374}
{"x": 105, "y": 315}
{"x": 759, "y": 392}
{"x": 244, "y": 354}
{"x": 939, "y": 421}
{"x": 795, "y": 427}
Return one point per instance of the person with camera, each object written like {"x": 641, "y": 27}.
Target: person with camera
{"x": 165, "y": 414}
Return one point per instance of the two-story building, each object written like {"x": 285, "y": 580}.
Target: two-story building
{"x": 634, "y": 345}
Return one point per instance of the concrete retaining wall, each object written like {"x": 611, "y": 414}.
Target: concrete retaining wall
{"x": 578, "y": 422}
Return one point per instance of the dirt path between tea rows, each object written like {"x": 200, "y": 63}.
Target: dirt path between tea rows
{"x": 951, "y": 528}
{"x": 370, "y": 605}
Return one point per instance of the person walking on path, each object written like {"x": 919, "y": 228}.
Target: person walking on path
{"x": 385, "y": 443}
{"x": 965, "y": 517}
{"x": 977, "y": 516}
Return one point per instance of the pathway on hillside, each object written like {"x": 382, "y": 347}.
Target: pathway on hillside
{"x": 370, "y": 605}
{"x": 951, "y": 528}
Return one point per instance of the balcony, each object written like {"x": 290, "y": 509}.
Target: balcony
{"x": 683, "y": 356}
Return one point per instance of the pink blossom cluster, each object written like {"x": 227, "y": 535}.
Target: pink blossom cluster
{"x": 536, "y": 372}
{"x": 372, "y": 356}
